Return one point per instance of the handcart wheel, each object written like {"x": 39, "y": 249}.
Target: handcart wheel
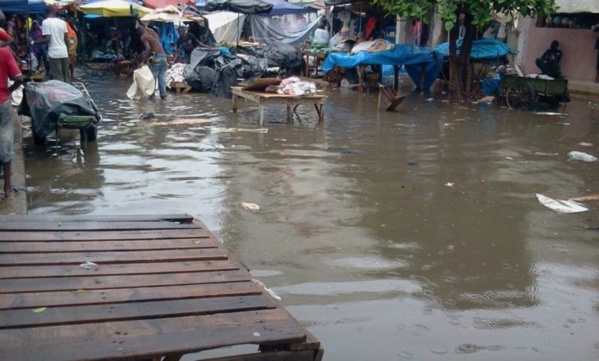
{"x": 520, "y": 95}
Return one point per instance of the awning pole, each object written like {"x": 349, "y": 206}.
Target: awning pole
{"x": 238, "y": 29}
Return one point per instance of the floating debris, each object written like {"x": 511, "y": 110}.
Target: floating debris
{"x": 252, "y": 207}
{"x": 561, "y": 206}
{"x": 582, "y": 156}
{"x": 234, "y": 130}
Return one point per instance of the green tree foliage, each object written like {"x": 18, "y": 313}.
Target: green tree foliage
{"x": 473, "y": 15}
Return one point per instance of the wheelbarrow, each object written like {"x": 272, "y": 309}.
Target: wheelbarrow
{"x": 55, "y": 105}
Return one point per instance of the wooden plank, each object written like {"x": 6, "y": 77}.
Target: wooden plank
{"x": 282, "y": 96}
{"x": 261, "y": 83}
{"x": 255, "y": 96}
{"x": 182, "y": 218}
{"x": 68, "y": 315}
{"x": 147, "y": 338}
{"x": 15, "y": 259}
{"x": 94, "y": 297}
{"x": 116, "y": 269}
{"x": 92, "y": 226}
{"x": 121, "y": 281}
{"x": 90, "y": 246}
{"x": 304, "y": 355}
{"x": 25, "y": 236}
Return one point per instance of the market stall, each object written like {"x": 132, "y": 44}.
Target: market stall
{"x": 423, "y": 65}
{"x": 108, "y": 34}
{"x": 23, "y": 7}
{"x": 113, "y": 8}
{"x": 168, "y": 17}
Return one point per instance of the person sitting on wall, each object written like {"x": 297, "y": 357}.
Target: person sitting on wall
{"x": 549, "y": 61}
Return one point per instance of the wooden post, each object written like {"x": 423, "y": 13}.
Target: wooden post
{"x": 261, "y": 111}
{"x": 234, "y": 101}
{"x": 361, "y": 70}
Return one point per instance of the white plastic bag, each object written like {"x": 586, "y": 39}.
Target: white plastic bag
{"x": 335, "y": 40}
{"x": 143, "y": 83}
{"x": 17, "y": 96}
{"x": 561, "y": 206}
{"x": 582, "y": 156}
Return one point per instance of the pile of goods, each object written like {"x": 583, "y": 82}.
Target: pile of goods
{"x": 175, "y": 74}
{"x": 294, "y": 86}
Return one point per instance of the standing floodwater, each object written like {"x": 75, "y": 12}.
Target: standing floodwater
{"x": 413, "y": 235}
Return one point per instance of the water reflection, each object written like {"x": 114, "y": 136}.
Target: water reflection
{"x": 65, "y": 173}
{"x": 417, "y": 231}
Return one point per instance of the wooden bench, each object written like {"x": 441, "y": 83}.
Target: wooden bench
{"x": 133, "y": 287}
{"x": 292, "y": 101}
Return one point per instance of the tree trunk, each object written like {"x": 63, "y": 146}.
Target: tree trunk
{"x": 466, "y": 49}
{"x": 460, "y": 69}
{"x": 454, "y": 78}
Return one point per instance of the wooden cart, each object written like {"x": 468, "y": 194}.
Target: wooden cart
{"x": 523, "y": 92}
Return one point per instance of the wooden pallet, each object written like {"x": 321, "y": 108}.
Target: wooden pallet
{"x": 180, "y": 87}
{"x": 161, "y": 286}
{"x": 100, "y": 65}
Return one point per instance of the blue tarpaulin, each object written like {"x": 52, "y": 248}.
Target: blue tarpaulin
{"x": 23, "y": 6}
{"x": 481, "y": 49}
{"x": 413, "y": 57}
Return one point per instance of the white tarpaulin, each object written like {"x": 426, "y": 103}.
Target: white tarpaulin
{"x": 143, "y": 85}
{"x": 578, "y": 6}
{"x": 225, "y": 25}
{"x": 265, "y": 29}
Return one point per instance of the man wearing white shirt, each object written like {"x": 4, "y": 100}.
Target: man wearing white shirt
{"x": 55, "y": 35}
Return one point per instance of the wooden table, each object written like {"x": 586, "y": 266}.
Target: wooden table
{"x": 292, "y": 101}
{"x": 132, "y": 287}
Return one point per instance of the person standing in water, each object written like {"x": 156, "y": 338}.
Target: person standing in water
{"x": 155, "y": 52}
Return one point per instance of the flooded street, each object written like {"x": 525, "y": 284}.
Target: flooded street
{"x": 413, "y": 235}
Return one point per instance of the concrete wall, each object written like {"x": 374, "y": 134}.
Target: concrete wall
{"x": 577, "y": 45}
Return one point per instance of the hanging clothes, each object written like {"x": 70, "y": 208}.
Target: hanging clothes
{"x": 168, "y": 37}
{"x": 416, "y": 32}
{"x": 370, "y": 26}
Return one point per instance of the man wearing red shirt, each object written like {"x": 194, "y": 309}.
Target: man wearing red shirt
{"x": 5, "y": 38}
{"x": 8, "y": 70}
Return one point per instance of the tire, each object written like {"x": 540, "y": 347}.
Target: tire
{"x": 38, "y": 139}
{"x": 520, "y": 95}
{"x": 91, "y": 132}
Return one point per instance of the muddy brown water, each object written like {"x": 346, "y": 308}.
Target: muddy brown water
{"x": 413, "y": 235}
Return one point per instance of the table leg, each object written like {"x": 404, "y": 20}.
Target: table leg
{"x": 320, "y": 111}
{"x": 261, "y": 111}
{"x": 289, "y": 112}
{"x": 361, "y": 70}
{"x": 234, "y": 101}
